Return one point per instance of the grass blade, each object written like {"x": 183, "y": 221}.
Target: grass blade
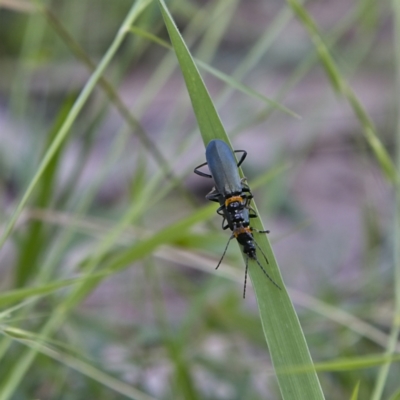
{"x": 395, "y": 330}
{"x": 341, "y": 86}
{"x": 354, "y": 395}
{"x": 35, "y": 238}
{"x": 219, "y": 74}
{"x": 136, "y": 9}
{"x": 281, "y": 326}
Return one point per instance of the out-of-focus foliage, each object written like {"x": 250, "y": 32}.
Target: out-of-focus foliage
{"x": 108, "y": 282}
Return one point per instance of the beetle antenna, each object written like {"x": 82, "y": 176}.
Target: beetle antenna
{"x": 245, "y": 277}
{"x": 223, "y": 254}
{"x": 242, "y": 158}
{"x": 259, "y": 264}
{"x": 265, "y": 273}
{"x": 259, "y": 248}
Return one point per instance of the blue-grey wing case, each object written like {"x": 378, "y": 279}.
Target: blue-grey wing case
{"x": 222, "y": 164}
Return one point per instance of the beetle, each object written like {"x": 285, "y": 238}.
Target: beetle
{"x": 232, "y": 193}
{"x": 243, "y": 233}
{"x": 234, "y": 196}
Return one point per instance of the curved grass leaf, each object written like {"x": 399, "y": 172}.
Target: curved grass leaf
{"x": 71, "y": 117}
{"x": 76, "y": 364}
{"x": 13, "y": 296}
{"x": 281, "y": 326}
{"x": 395, "y": 395}
{"x": 346, "y": 364}
{"x": 85, "y": 285}
{"x": 354, "y": 395}
{"x": 340, "y": 85}
{"x": 12, "y": 382}
{"x": 219, "y": 74}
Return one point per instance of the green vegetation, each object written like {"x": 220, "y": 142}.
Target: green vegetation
{"x": 107, "y": 246}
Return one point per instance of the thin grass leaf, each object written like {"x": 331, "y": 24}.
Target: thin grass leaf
{"x": 341, "y": 86}
{"x": 82, "y": 366}
{"x": 20, "y": 366}
{"x": 13, "y": 296}
{"x": 36, "y": 239}
{"x": 395, "y": 395}
{"x": 135, "y": 11}
{"x": 334, "y": 35}
{"x": 207, "y": 118}
{"x": 184, "y": 382}
{"x": 246, "y": 89}
{"x": 345, "y": 364}
{"x": 395, "y": 330}
{"x": 110, "y": 91}
{"x": 167, "y": 235}
{"x": 219, "y": 74}
{"x": 341, "y": 317}
{"x": 115, "y": 264}
{"x": 281, "y": 326}
{"x": 354, "y": 395}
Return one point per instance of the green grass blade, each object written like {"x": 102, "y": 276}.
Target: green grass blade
{"x": 207, "y": 117}
{"x": 13, "y": 296}
{"x": 341, "y": 86}
{"x": 219, "y": 74}
{"x": 78, "y": 364}
{"x": 110, "y": 91}
{"x": 346, "y": 364}
{"x": 354, "y": 395}
{"x": 395, "y": 330}
{"x": 246, "y": 89}
{"x": 135, "y": 11}
{"x": 281, "y": 326}
{"x": 122, "y": 260}
{"x": 395, "y": 395}
{"x": 35, "y": 238}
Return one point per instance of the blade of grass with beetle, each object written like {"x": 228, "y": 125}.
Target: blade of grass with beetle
{"x": 280, "y": 323}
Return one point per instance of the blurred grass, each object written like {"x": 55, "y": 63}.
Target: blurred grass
{"x": 393, "y": 340}
{"x": 66, "y": 267}
{"x": 340, "y": 85}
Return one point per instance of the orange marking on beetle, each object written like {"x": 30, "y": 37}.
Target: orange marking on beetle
{"x": 233, "y": 199}
{"x": 240, "y": 230}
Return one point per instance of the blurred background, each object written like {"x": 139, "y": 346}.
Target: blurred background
{"x": 162, "y": 323}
